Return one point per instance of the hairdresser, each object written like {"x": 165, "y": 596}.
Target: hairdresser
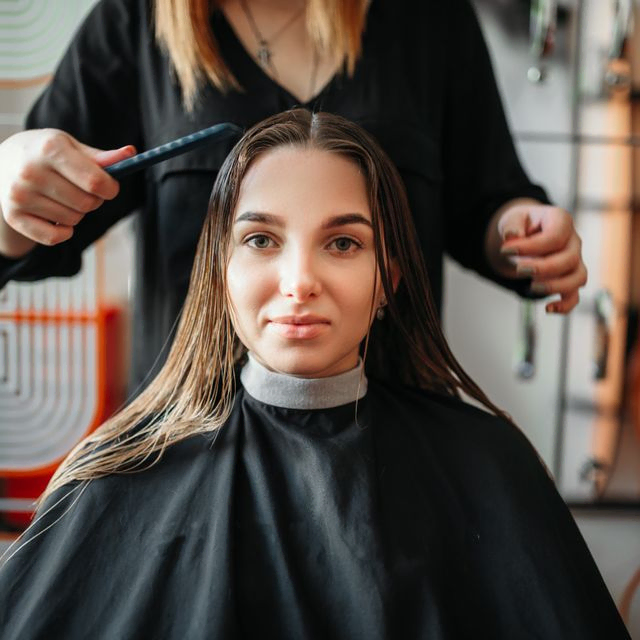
{"x": 138, "y": 73}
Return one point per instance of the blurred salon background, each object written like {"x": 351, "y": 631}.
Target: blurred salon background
{"x": 569, "y": 74}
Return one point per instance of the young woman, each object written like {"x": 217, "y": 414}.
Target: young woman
{"x": 416, "y": 75}
{"x": 303, "y": 466}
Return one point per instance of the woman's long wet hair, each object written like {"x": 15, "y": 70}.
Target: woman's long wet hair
{"x": 194, "y": 391}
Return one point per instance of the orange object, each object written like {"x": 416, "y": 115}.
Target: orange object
{"x": 29, "y": 483}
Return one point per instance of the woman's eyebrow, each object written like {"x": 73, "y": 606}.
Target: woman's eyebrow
{"x": 346, "y": 218}
{"x": 255, "y": 216}
{"x": 331, "y": 223}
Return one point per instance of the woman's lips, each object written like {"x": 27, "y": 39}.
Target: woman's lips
{"x": 299, "y": 327}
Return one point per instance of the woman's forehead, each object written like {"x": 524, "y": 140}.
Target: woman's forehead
{"x": 291, "y": 181}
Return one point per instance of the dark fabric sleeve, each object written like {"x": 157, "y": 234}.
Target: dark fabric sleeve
{"x": 481, "y": 167}
{"x": 94, "y": 97}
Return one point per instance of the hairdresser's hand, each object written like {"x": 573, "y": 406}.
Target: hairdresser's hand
{"x": 48, "y": 182}
{"x": 537, "y": 241}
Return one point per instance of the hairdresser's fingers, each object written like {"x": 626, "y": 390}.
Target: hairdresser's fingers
{"x": 550, "y": 230}
{"x": 111, "y": 156}
{"x": 47, "y": 174}
{"x": 77, "y": 163}
{"x": 32, "y": 157}
{"x": 515, "y": 223}
{"x": 46, "y": 209}
{"x": 568, "y": 286}
{"x": 51, "y": 186}
{"x": 566, "y": 303}
{"x": 40, "y": 230}
{"x": 563, "y": 285}
{"x": 561, "y": 263}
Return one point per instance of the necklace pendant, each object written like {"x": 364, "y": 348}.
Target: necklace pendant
{"x": 264, "y": 54}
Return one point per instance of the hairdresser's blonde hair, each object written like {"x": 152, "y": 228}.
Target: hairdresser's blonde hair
{"x": 194, "y": 391}
{"x": 183, "y": 30}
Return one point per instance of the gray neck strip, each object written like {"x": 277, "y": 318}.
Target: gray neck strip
{"x": 292, "y": 392}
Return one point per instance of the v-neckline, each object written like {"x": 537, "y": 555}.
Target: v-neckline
{"x": 258, "y": 72}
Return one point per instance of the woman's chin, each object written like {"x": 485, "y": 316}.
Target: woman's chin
{"x": 306, "y": 365}
{"x": 299, "y": 369}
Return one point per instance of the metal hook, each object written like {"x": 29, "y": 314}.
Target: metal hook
{"x": 543, "y": 29}
{"x": 525, "y": 364}
{"x": 604, "y": 309}
{"x": 617, "y": 76}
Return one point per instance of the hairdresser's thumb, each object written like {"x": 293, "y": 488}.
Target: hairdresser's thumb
{"x": 110, "y": 156}
{"x": 514, "y": 223}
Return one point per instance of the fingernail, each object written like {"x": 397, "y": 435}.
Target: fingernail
{"x": 552, "y": 308}
{"x": 539, "y": 288}
{"x": 526, "y": 271}
{"x": 511, "y": 233}
{"x": 509, "y": 251}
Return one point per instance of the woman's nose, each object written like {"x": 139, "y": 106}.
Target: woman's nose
{"x": 300, "y": 278}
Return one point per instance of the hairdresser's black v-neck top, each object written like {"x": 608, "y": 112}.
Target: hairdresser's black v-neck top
{"x": 421, "y": 519}
{"x": 423, "y": 86}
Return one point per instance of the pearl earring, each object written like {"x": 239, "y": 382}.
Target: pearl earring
{"x": 380, "y": 310}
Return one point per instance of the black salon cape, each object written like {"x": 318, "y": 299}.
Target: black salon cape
{"x": 425, "y": 519}
{"x": 423, "y": 86}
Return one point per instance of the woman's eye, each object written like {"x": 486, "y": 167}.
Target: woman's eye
{"x": 345, "y": 245}
{"x": 259, "y": 242}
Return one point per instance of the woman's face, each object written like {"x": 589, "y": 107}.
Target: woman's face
{"x": 302, "y": 262}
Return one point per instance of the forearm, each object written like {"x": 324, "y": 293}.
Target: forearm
{"x": 12, "y": 243}
{"x": 495, "y": 237}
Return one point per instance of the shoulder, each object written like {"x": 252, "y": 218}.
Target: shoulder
{"x": 115, "y": 25}
{"x": 108, "y": 38}
{"x": 458, "y": 431}
{"x": 108, "y": 503}
{"x": 435, "y": 32}
{"x": 429, "y": 16}
{"x": 486, "y": 464}
{"x": 448, "y": 408}
{"x": 118, "y": 12}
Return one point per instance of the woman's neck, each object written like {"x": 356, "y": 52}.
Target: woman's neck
{"x": 293, "y": 392}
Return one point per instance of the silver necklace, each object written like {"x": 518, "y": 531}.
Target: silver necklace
{"x": 265, "y": 52}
